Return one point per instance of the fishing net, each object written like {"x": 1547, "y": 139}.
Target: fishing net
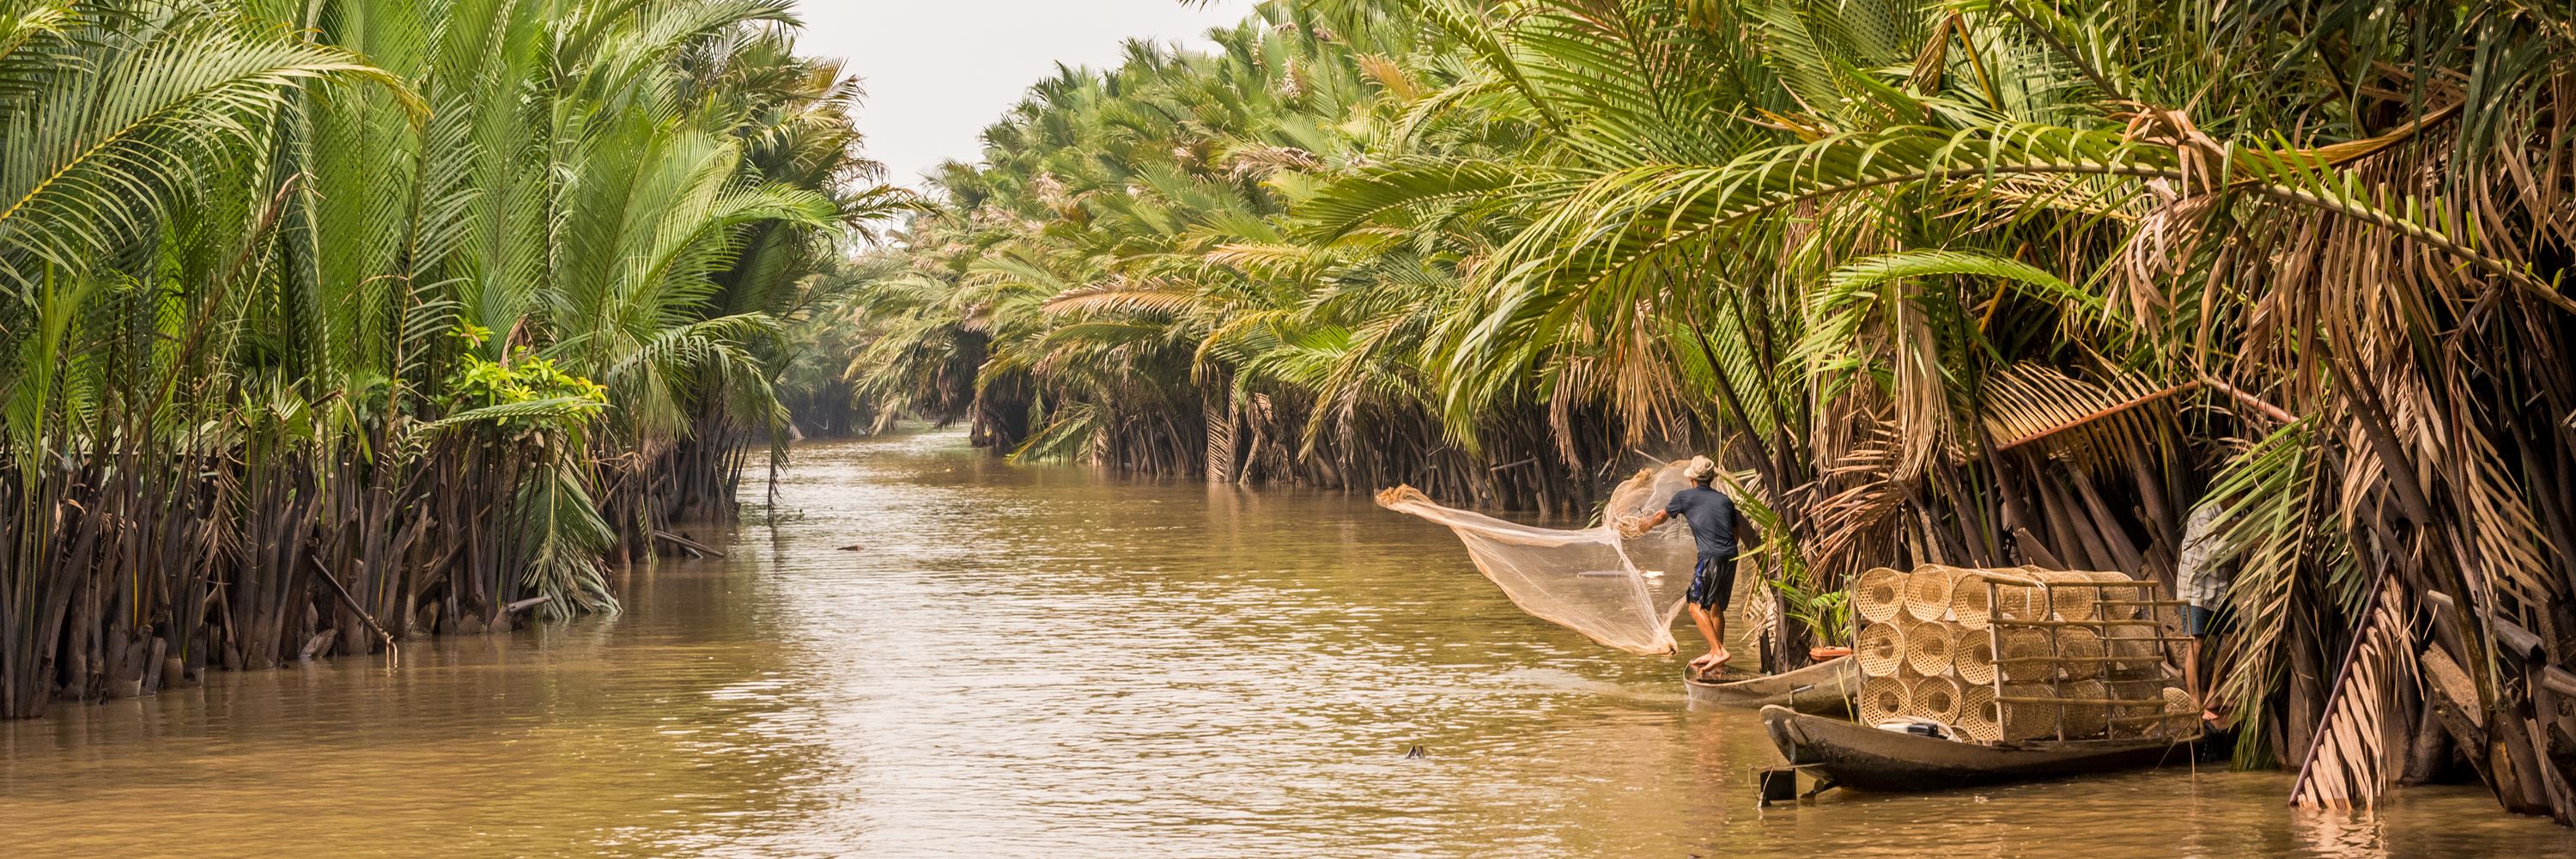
{"x": 1583, "y": 580}
{"x": 1645, "y": 495}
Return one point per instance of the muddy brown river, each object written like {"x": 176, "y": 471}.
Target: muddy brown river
{"x": 1041, "y": 661}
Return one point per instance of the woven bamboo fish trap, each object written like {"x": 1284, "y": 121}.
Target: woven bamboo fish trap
{"x": 2069, "y": 597}
{"x": 1934, "y": 698}
{"x": 2087, "y": 720}
{"x": 1927, "y": 591}
{"x": 2081, "y": 649}
{"x": 2134, "y": 720}
{"x": 1927, "y": 648}
{"x": 1879, "y": 595}
{"x": 1972, "y": 658}
{"x": 2024, "y": 720}
{"x": 2020, "y": 646}
{"x": 2015, "y": 602}
{"x": 2136, "y": 645}
{"x": 1968, "y": 601}
{"x": 2182, "y": 717}
{"x": 2126, "y": 594}
{"x": 1976, "y": 719}
{"x": 1881, "y": 699}
{"x": 1880, "y": 649}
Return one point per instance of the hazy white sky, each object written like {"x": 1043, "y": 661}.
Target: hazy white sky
{"x": 939, "y": 71}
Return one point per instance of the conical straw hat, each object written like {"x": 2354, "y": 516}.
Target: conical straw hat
{"x": 2082, "y": 649}
{"x": 1976, "y": 719}
{"x": 1927, "y": 591}
{"x": 2026, "y": 721}
{"x": 1972, "y": 657}
{"x": 1927, "y": 648}
{"x": 1881, "y": 699}
{"x": 1879, "y": 595}
{"x": 2086, "y": 720}
{"x": 1881, "y": 649}
{"x": 1934, "y": 698}
{"x": 2022, "y": 644}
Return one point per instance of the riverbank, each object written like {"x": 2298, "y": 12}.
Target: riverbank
{"x": 1041, "y": 661}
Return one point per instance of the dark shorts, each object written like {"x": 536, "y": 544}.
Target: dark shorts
{"x": 1713, "y": 582}
{"x": 2196, "y": 621}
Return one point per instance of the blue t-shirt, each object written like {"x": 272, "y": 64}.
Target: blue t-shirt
{"x": 1711, "y": 516}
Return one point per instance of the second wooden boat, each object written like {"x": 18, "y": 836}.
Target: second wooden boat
{"x": 1844, "y": 754}
{"x": 1825, "y": 688}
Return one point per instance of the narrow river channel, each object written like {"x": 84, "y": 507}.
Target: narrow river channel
{"x": 1040, "y": 661}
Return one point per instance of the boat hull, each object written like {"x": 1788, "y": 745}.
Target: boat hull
{"x": 1826, "y": 688}
{"x": 1860, "y": 757}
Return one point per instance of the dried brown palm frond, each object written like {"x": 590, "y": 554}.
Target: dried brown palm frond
{"x": 2031, "y": 404}
{"x": 2357, "y": 751}
{"x": 1859, "y": 520}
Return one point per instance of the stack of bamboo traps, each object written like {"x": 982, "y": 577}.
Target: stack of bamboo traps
{"x": 2014, "y": 654}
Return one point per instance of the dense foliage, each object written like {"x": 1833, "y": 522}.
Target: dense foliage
{"x": 335, "y": 322}
{"x": 1983, "y": 282}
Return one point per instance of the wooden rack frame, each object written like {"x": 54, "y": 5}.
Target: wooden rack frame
{"x": 2146, "y": 593}
{"x": 2048, "y": 602}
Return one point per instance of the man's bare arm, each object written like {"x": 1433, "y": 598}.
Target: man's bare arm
{"x": 1639, "y": 527}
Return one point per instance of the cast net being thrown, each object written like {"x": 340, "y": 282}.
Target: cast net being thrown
{"x": 1582, "y": 580}
{"x": 1644, "y": 495}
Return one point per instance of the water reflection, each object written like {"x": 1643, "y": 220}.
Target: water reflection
{"x": 1033, "y": 661}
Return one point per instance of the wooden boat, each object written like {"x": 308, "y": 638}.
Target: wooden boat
{"x": 1845, "y": 754}
{"x": 1825, "y": 688}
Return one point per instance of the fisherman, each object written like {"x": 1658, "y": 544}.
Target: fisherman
{"x": 2201, "y": 578}
{"x": 1714, "y": 524}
